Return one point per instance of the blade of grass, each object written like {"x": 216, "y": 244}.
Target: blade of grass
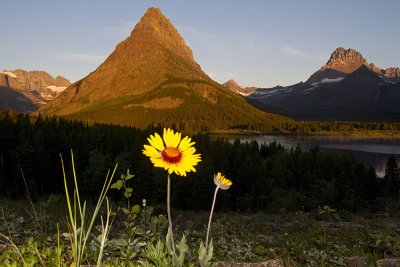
{"x": 58, "y": 247}
{"x": 104, "y": 233}
{"x": 31, "y": 202}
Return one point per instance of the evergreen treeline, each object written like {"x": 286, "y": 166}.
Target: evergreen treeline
{"x": 265, "y": 177}
{"x": 191, "y": 106}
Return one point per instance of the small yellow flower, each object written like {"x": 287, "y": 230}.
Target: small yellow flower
{"x": 221, "y": 181}
{"x": 172, "y": 153}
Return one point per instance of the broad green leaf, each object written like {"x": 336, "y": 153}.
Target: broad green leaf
{"x": 135, "y": 209}
{"x": 117, "y": 185}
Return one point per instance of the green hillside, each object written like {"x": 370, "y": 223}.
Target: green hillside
{"x": 187, "y": 105}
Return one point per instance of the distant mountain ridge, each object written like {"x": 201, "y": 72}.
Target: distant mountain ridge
{"x": 25, "y": 91}
{"x": 151, "y": 78}
{"x": 235, "y": 87}
{"x": 347, "y": 87}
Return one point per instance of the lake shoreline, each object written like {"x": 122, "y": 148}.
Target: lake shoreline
{"x": 368, "y": 150}
{"x": 356, "y": 134}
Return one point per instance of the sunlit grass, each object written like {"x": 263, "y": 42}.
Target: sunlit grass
{"x": 299, "y": 239}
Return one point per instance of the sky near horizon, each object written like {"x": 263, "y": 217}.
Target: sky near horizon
{"x": 260, "y": 43}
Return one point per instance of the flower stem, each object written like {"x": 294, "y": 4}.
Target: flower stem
{"x": 211, "y": 214}
{"x": 169, "y": 213}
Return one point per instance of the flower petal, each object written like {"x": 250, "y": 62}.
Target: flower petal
{"x": 176, "y": 139}
{"x": 185, "y": 143}
{"x": 189, "y": 151}
{"x": 167, "y": 137}
{"x": 150, "y": 151}
{"x": 156, "y": 142}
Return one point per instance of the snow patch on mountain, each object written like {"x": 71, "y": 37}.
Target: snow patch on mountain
{"x": 268, "y": 92}
{"x": 57, "y": 89}
{"x": 9, "y": 73}
{"x": 328, "y": 80}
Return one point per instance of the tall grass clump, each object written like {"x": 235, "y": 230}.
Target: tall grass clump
{"x": 80, "y": 220}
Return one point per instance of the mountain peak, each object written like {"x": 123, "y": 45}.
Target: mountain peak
{"x": 231, "y": 82}
{"x": 152, "y": 54}
{"x": 155, "y": 27}
{"x": 235, "y": 87}
{"x": 345, "y": 60}
{"x": 153, "y": 11}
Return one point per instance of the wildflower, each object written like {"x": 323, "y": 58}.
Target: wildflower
{"x": 172, "y": 153}
{"x": 222, "y": 182}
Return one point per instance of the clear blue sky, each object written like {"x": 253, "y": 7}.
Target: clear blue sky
{"x": 256, "y": 42}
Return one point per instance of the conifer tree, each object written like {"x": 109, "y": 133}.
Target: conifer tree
{"x": 391, "y": 178}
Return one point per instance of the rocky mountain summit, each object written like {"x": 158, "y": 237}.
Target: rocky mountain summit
{"x": 29, "y": 89}
{"x": 151, "y": 78}
{"x": 154, "y": 26}
{"x": 344, "y": 61}
{"x": 235, "y": 87}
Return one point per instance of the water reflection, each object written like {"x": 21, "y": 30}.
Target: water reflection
{"x": 369, "y": 151}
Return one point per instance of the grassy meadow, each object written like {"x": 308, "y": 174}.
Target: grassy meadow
{"x": 38, "y": 235}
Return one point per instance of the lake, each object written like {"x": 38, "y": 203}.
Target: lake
{"x": 366, "y": 150}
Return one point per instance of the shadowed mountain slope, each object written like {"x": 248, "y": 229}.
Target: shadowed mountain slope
{"x": 346, "y": 88}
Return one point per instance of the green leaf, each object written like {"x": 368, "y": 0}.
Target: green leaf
{"x": 128, "y": 176}
{"x": 128, "y": 192}
{"x": 168, "y": 241}
{"x": 117, "y": 185}
{"x": 205, "y": 256}
{"x": 125, "y": 211}
{"x": 182, "y": 247}
{"x": 140, "y": 231}
{"x": 135, "y": 209}
{"x": 121, "y": 242}
{"x": 202, "y": 251}
{"x": 129, "y": 189}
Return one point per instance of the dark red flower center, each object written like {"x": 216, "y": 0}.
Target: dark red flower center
{"x": 171, "y": 155}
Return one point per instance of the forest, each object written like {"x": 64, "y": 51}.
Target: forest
{"x": 266, "y": 177}
{"x": 212, "y": 114}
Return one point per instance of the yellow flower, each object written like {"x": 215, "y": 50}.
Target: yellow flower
{"x": 172, "y": 153}
{"x": 221, "y": 181}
